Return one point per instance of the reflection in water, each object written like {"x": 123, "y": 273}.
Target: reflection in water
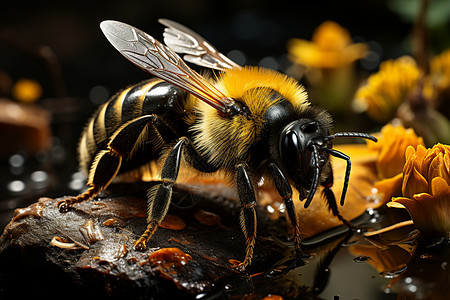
{"x": 391, "y": 265}
{"x": 426, "y": 275}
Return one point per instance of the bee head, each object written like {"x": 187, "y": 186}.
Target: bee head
{"x": 305, "y": 146}
{"x": 303, "y": 150}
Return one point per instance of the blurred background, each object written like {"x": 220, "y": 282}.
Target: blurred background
{"x": 56, "y": 66}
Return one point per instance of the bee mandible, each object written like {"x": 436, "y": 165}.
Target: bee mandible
{"x": 248, "y": 122}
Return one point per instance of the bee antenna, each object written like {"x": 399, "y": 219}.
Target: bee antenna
{"x": 351, "y": 135}
{"x": 341, "y": 155}
{"x": 315, "y": 180}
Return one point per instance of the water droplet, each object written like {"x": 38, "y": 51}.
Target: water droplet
{"x": 39, "y": 176}
{"x": 412, "y": 288}
{"x": 274, "y": 273}
{"x": 370, "y": 62}
{"x": 362, "y": 258}
{"x": 16, "y": 160}
{"x": 16, "y": 170}
{"x": 16, "y": 186}
{"x": 200, "y": 296}
{"x": 228, "y": 287}
{"x": 76, "y": 185}
{"x": 269, "y": 63}
{"x": 40, "y": 179}
{"x": 98, "y": 94}
{"x": 393, "y": 273}
{"x": 237, "y": 56}
{"x": 426, "y": 256}
{"x": 78, "y": 181}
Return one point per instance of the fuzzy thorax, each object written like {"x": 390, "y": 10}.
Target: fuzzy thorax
{"x": 228, "y": 140}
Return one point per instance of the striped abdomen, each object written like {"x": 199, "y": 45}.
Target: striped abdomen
{"x": 152, "y": 96}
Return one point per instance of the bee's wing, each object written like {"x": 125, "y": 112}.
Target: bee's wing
{"x": 159, "y": 60}
{"x": 198, "y": 51}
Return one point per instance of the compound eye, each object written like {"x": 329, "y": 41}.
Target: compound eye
{"x": 291, "y": 150}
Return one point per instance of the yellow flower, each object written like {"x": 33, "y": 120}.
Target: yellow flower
{"x": 426, "y": 190}
{"x": 391, "y": 147}
{"x": 437, "y": 84}
{"x": 388, "y": 88}
{"x": 392, "y": 144}
{"x": 331, "y": 47}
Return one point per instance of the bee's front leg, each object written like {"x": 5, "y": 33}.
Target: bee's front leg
{"x": 332, "y": 202}
{"x": 284, "y": 189}
{"x": 247, "y": 198}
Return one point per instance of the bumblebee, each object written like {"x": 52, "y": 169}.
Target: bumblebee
{"x": 247, "y": 122}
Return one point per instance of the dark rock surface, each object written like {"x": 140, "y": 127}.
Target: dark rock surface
{"x": 88, "y": 251}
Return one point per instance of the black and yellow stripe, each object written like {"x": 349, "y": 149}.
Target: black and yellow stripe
{"x": 124, "y": 106}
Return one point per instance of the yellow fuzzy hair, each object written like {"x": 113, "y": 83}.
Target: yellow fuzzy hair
{"x": 228, "y": 140}
{"x": 235, "y": 82}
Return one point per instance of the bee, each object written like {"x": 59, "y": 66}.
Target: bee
{"x": 247, "y": 122}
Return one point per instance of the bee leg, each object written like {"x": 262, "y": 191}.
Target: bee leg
{"x": 159, "y": 204}
{"x": 103, "y": 170}
{"x": 284, "y": 189}
{"x": 247, "y": 218}
{"x": 332, "y": 203}
{"x": 107, "y": 162}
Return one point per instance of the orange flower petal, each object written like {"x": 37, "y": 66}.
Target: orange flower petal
{"x": 413, "y": 170}
{"x": 441, "y": 189}
{"x": 413, "y": 181}
{"x": 420, "y": 212}
{"x": 395, "y": 204}
{"x": 389, "y": 187}
{"x": 431, "y": 215}
{"x": 421, "y": 153}
{"x": 393, "y": 144}
{"x": 426, "y": 189}
{"x": 437, "y": 168}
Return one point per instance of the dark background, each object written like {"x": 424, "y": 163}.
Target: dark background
{"x": 257, "y": 28}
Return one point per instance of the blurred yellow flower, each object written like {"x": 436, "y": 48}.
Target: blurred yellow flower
{"x": 388, "y": 88}
{"x": 331, "y": 47}
{"x": 437, "y": 83}
{"x": 26, "y": 90}
{"x": 426, "y": 190}
{"x": 392, "y": 144}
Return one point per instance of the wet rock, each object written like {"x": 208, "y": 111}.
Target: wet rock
{"x": 88, "y": 251}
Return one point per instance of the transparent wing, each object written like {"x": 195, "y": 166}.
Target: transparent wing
{"x": 159, "y": 60}
{"x": 181, "y": 39}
